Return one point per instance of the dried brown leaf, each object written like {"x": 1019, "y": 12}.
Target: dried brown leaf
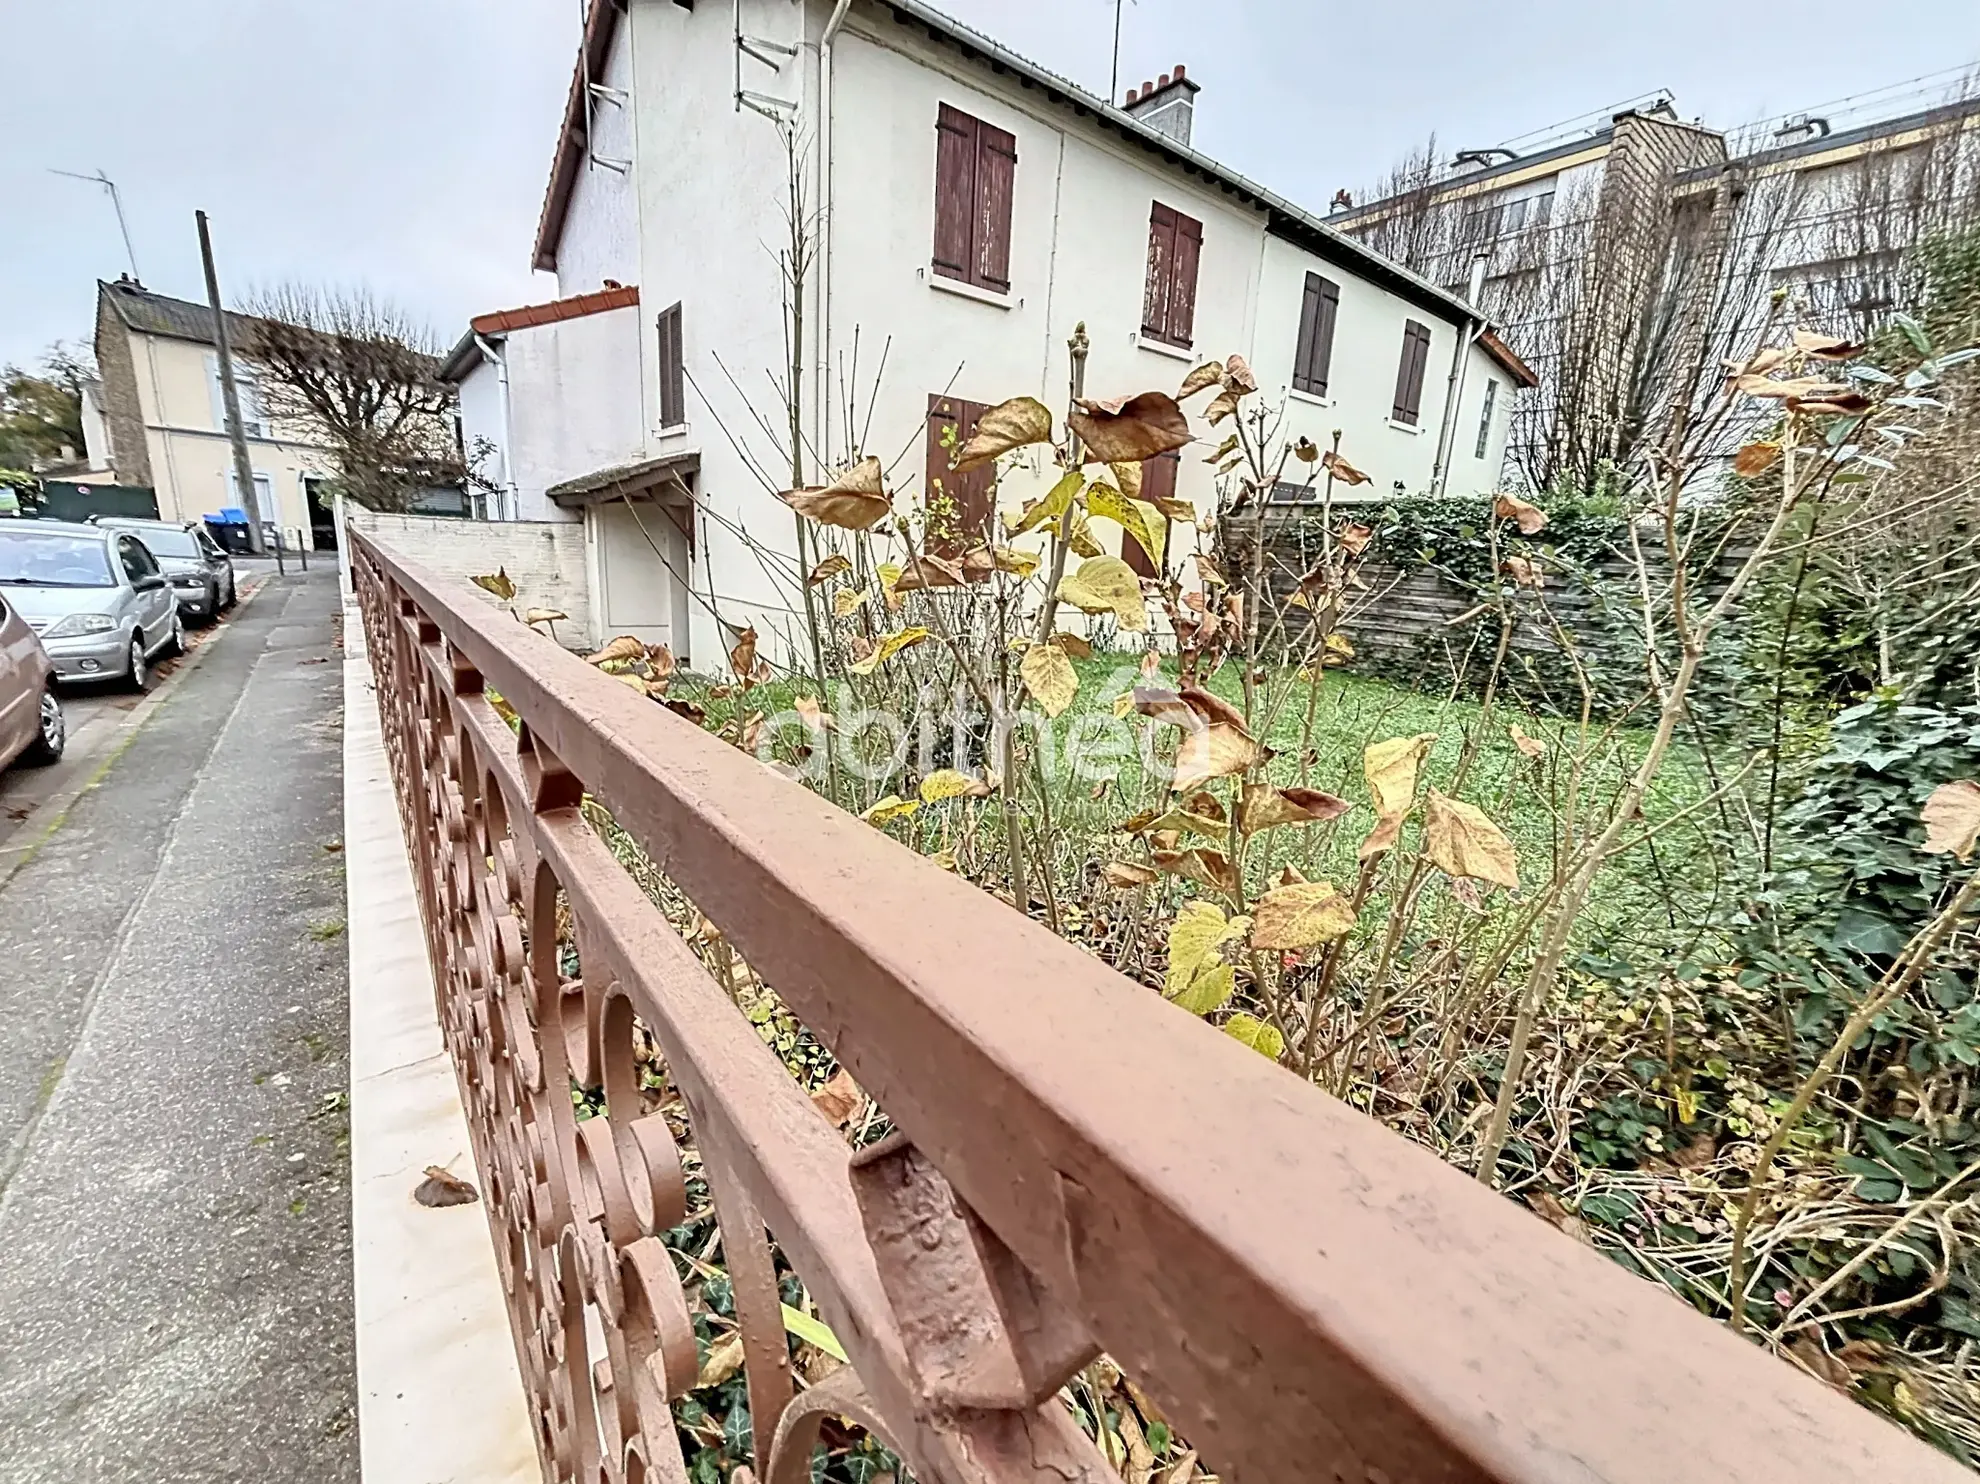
{"x": 1530, "y": 519}
{"x": 442, "y": 1187}
{"x": 1144, "y": 426}
{"x": 1302, "y": 915}
{"x": 855, "y": 501}
{"x": 1462, "y": 841}
{"x": 1014, "y": 424}
{"x": 1755, "y": 459}
{"x": 839, "y": 1099}
{"x": 1209, "y": 374}
{"x": 1341, "y": 469}
{"x": 1952, "y": 818}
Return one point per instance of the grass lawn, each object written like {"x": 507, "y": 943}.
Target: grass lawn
{"x": 1519, "y": 793}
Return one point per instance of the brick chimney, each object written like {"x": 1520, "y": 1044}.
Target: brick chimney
{"x": 1167, "y": 105}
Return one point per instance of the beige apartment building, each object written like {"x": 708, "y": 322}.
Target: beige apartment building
{"x": 155, "y": 417}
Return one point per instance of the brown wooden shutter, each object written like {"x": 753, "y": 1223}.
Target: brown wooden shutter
{"x": 1409, "y": 373}
{"x": 1158, "y": 482}
{"x": 1155, "y": 289}
{"x": 673, "y": 399}
{"x": 1182, "y": 280}
{"x": 1314, "y": 358}
{"x": 956, "y": 150}
{"x": 996, "y": 174}
{"x": 972, "y": 491}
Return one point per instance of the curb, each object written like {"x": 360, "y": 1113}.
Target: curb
{"x": 52, "y": 812}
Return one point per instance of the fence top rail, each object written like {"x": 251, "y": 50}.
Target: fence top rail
{"x": 1298, "y": 1286}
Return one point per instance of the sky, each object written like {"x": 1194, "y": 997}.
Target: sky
{"x": 403, "y": 145}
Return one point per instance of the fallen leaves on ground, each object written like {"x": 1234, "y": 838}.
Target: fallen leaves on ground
{"x": 442, "y": 1187}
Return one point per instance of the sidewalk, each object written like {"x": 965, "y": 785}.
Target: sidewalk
{"x": 175, "y": 1285}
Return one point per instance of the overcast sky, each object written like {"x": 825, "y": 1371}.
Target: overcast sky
{"x": 404, "y": 144}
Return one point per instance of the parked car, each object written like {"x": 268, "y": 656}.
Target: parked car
{"x": 201, "y": 574}
{"x": 32, "y": 728}
{"x": 95, "y": 597}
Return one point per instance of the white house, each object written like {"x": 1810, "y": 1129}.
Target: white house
{"x": 969, "y": 209}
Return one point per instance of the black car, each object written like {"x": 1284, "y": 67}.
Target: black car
{"x": 201, "y": 574}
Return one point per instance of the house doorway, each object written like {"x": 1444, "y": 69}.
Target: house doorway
{"x": 322, "y": 518}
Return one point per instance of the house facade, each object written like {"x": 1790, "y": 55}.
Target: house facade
{"x": 964, "y": 213}
{"x": 1628, "y": 255}
{"x": 157, "y": 417}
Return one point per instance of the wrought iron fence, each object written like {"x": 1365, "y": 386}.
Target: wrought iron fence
{"x": 1078, "y": 1166}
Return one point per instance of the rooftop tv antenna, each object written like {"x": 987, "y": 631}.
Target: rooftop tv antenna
{"x": 117, "y": 201}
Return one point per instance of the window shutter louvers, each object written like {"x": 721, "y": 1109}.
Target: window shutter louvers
{"x": 996, "y": 174}
{"x": 956, "y": 151}
{"x": 1182, "y": 279}
{"x": 1409, "y": 373}
{"x": 673, "y": 391}
{"x": 1161, "y": 253}
{"x": 1313, "y": 360}
{"x": 971, "y": 491}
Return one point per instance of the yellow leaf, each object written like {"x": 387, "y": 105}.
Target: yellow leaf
{"x": 1050, "y": 677}
{"x": 1260, "y": 1036}
{"x": 1952, "y": 818}
{"x": 813, "y": 1332}
{"x": 1687, "y": 1104}
{"x": 1299, "y": 916}
{"x": 947, "y": 783}
{"x": 1461, "y": 841}
{"x": 1110, "y": 504}
{"x": 1391, "y": 771}
{"x": 846, "y": 602}
{"x": 1105, "y": 584}
{"x": 1209, "y": 374}
{"x": 1215, "y": 751}
{"x": 891, "y": 808}
{"x": 625, "y": 647}
{"x": 1008, "y": 425}
{"x": 826, "y": 570}
{"x": 1127, "y": 479}
{"x": 498, "y": 582}
{"x": 1020, "y": 564}
{"x": 1208, "y": 990}
{"x": 724, "y": 1360}
{"x": 1264, "y": 806}
{"x": 1223, "y": 450}
{"x": 889, "y": 646}
{"x": 854, "y": 501}
{"x": 1171, "y": 508}
{"x": 1123, "y": 703}
{"x": 1195, "y": 940}
{"x": 1079, "y": 535}
{"x": 1057, "y": 501}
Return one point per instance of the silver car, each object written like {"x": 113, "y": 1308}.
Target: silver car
{"x": 96, "y": 598}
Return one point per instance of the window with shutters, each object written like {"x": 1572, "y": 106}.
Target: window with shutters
{"x": 960, "y": 504}
{"x": 1409, "y": 373}
{"x": 1158, "y": 482}
{"x": 1314, "y": 356}
{"x": 673, "y": 370}
{"x": 1485, "y": 419}
{"x": 1168, "y": 300}
{"x": 975, "y": 169}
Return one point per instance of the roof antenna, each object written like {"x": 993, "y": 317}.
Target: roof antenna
{"x": 115, "y": 200}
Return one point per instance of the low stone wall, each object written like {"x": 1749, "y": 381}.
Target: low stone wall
{"x": 544, "y": 558}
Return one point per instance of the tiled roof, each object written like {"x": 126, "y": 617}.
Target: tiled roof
{"x": 178, "y": 319}
{"x": 575, "y": 307}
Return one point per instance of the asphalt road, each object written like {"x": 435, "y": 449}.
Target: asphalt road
{"x": 175, "y": 1297}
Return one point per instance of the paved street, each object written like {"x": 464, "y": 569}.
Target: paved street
{"x": 175, "y": 1264}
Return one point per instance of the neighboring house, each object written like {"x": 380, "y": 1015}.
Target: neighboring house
{"x": 1627, "y": 258}
{"x": 552, "y": 423}
{"x": 970, "y": 211}
{"x": 158, "y": 414}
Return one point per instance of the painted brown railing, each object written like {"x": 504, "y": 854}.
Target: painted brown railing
{"x": 1079, "y": 1167}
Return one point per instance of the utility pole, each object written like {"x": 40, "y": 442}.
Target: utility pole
{"x": 230, "y": 396}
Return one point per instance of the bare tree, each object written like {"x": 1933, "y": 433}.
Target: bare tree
{"x": 361, "y": 378}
